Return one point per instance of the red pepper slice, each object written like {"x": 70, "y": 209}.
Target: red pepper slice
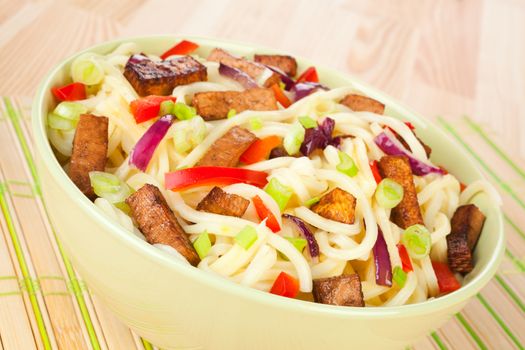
{"x": 405, "y": 259}
{"x": 280, "y": 96}
{"x": 410, "y": 125}
{"x": 71, "y": 92}
{"x": 183, "y": 48}
{"x": 148, "y": 107}
{"x": 375, "y": 171}
{"x": 446, "y": 280}
{"x": 285, "y": 285}
{"x": 212, "y": 175}
{"x": 310, "y": 74}
{"x": 264, "y": 213}
{"x": 260, "y": 149}
{"x": 462, "y": 187}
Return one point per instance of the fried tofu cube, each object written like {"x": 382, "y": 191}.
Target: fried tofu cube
{"x": 149, "y": 77}
{"x": 158, "y": 223}
{"x": 359, "y": 103}
{"x": 90, "y": 148}
{"x": 254, "y": 70}
{"x": 213, "y": 105}
{"x": 227, "y": 150}
{"x": 344, "y": 290}
{"x": 287, "y": 64}
{"x": 466, "y": 226}
{"x": 337, "y": 205}
{"x": 407, "y": 212}
{"x": 219, "y": 202}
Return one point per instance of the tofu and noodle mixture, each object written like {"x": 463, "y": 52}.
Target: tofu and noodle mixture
{"x": 253, "y": 169}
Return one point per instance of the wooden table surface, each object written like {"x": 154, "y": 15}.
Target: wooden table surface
{"x": 451, "y": 58}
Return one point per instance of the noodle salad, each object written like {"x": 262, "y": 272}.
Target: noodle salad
{"x": 241, "y": 168}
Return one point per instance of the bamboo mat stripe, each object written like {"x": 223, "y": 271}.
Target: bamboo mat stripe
{"x": 486, "y": 323}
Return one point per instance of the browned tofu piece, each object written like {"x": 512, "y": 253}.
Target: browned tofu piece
{"x": 359, "y": 103}
{"x": 427, "y": 148}
{"x": 344, "y": 290}
{"x": 90, "y": 148}
{"x": 337, "y": 205}
{"x": 254, "y": 70}
{"x": 213, "y": 105}
{"x": 227, "y": 149}
{"x": 466, "y": 226}
{"x": 160, "y": 78}
{"x": 285, "y": 63}
{"x": 278, "y": 151}
{"x": 158, "y": 223}
{"x": 407, "y": 212}
{"x": 219, "y": 202}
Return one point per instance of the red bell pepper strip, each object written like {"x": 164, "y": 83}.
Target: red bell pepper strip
{"x": 212, "y": 175}
{"x": 148, "y": 107}
{"x": 185, "y": 47}
{"x": 310, "y": 74}
{"x": 260, "y": 149}
{"x": 375, "y": 171}
{"x": 71, "y": 92}
{"x": 280, "y": 96}
{"x": 446, "y": 280}
{"x": 462, "y": 187}
{"x": 285, "y": 285}
{"x": 405, "y": 259}
{"x": 264, "y": 213}
{"x": 410, "y": 125}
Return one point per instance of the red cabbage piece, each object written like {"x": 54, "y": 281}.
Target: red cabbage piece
{"x": 319, "y": 137}
{"x": 313, "y": 247}
{"x": 285, "y": 78}
{"x": 143, "y": 151}
{"x": 238, "y": 75}
{"x": 392, "y": 147}
{"x": 303, "y": 89}
{"x": 382, "y": 261}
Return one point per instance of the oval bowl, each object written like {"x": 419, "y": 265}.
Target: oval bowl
{"x": 176, "y": 306}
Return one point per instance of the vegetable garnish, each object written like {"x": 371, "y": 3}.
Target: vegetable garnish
{"x": 183, "y": 112}
{"x": 298, "y": 243}
{"x": 213, "y": 175}
{"x": 264, "y": 213}
{"x": 189, "y": 134}
{"x": 388, "y": 193}
{"x": 392, "y": 147}
{"x": 238, "y": 75}
{"x": 143, "y": 151}
{"x": 285, "y": 79}
{"x": 256, "y": 124}
{"x": 375, "y": 171}
{"x": 260, "y": 150}
{"x": 301, "y": 90}
{"x": 313, "y": 247}
{"x": 246, "y": 237}
{"x": 346, "y": 165}
{"x": 310, "y": 74}
{"x": 446, "y": 280}
{"x": 166, "y": 107}
{"x": 65, "y": 116}
{"x": 307, "y": 122}
{"x": 280, "y": 96}
{"x": 202, "y": 245}
{"x": 231, "y": 113}
{"x": 185, "y": 47}
{"x": 405, "y": 259}
{"x": 285, "y": 285}
{"x": 399, "y": 276}
{"x": 279, "y": 192}
{"x": 417, "y": 241}
{"x": 71, "y": 92}
{"x": 382, "y": 261}
{"x": 319, "y": 137}
{"x": 86, "y": 70}
{"x": 311, "y": 201}
{"x": 148, "y": 107}
{"x": 109, "y": 187}
{"x": 294, "y": 139}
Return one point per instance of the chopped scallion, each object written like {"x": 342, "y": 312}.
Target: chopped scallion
{"x": 417, "y": 241}
{"x": 311, "y": 201}
{"x": 347, "y": 165}
{"x": 166, "y": 107}
{"x": 183, "y": 111}
{"x": 231, "y": 113}
{"x": 246, "y": 237}
{"x": 298, "y": 243}
{"x": 307, "y": 122}
{"x": 109, "y": 187}
{"x": 293, "y": 140}
{"x": 279, "y": 192}
{"x": 256, "y": 124}
{"x": 202, "y": 245}
{"x": 399, "y": 276}
{"x": 389, "y": 193}
{"x": 86, "y": 70}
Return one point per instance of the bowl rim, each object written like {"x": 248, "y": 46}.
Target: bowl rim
{"x": 48, "y": 159}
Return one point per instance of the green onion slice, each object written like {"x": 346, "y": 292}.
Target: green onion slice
{"x": 109, "y": 187}
{"x": 307, "y": 122}
{"x": 246, "y": 237}
{"x": 279, "y": 192}
{"x": 202, "y": 245}
{"x": 399, "y": 276}
{"x": 183, "y": 111}
{"x": 389, "y": 193}
{"x": 231, "y": 113}
{"x": 312, "y": 201}
{"x": 56, "y": 122}
{"x": 416, "y": 239}
{"x": 293, "y": 140}
{"x": 256, "y": 124}
{"x": 86, "y": 70}
{"x": 166, "y": 107}
{"x": 70, "y": 110}
{"x": 298, "y": 243}
{"x": 346, "y": 165}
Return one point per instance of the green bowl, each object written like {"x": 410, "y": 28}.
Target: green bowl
{"x": 176, "y": 306}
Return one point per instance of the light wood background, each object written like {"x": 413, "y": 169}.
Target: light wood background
{"x": 447, "y": 58}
